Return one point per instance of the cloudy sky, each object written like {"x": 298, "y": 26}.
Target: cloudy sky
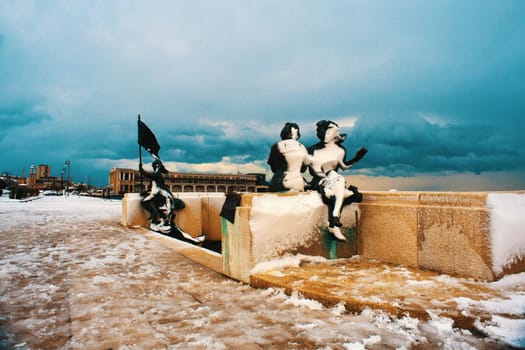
{"x": 434, "y": 89}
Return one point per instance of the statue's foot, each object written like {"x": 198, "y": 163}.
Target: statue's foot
{"x": 155, "y": 226}
{"x": 190, "y": 238}
{"x": 336, "y": 231}
{"x": 200, "y": 239}
{"x": 164, "y": 228}
{"x": 160, "y": 227}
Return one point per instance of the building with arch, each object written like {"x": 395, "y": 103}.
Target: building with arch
{"x": 128, "y": 181}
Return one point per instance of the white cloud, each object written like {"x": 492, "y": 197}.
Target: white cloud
{"x": 435, "y": 120}
{"x": 235, "y": 130}
{"x": 348, "y": 122}
{"x": 225, "y": 166}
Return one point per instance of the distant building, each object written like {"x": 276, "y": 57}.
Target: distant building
{"x": 40, "y": 178}
{"x": 43, "y": 171}
{"x": 122, "y": 180}
{"x": 128, "y": 180}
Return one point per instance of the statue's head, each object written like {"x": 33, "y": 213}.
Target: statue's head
{"x": 157, "y": 165}
{"x": 328, "y": 131}
{"x": 290, "y": 131}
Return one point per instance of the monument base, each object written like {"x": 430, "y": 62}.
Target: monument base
{"x": 468, "y": 234}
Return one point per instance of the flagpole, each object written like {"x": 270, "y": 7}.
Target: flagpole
{"x": 140, "y": 162}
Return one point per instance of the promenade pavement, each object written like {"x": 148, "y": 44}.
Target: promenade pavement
{"x": 360, "y": 284}
{"x": 76, "y": 279}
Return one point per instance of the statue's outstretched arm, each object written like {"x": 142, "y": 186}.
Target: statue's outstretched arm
{"x": 357, "y": 157}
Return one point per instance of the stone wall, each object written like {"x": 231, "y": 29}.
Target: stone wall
{"x": 272, "y": 225}
{"x": 460, "y": 233}
{"x": 445, "y": 232}
{"x": 449, "y": 232}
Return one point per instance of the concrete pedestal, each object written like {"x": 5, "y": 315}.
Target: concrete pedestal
{"x": 469, "y": 234}
{"x": 132, "y": 212}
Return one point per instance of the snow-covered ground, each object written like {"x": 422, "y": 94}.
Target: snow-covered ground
{"x": 71, "y": 277}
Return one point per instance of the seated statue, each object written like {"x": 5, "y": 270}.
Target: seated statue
{"x": 288, "y": 160}
{"x": 328, "y": 156}
{"x": 161, "y": 204}
{"x": 159, "y": 201}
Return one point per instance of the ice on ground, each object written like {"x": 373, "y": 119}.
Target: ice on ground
{"x": 288, "y": 260}
{"x": 510, "y": 330}
{"x": 72, "y": 277}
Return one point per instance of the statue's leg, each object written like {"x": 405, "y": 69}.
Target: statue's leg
{"x": 340, "y": 194}
{"x": 351, "y": 195}
{"x": 333, "y": 221}
{"x": 329, "y": 197}
{"x": 334, "y": 194}
{"x": 354, "y": 197}
{"x": 150, "y": 203}
{"x": 170, "y": 208}
{"x": 166, "y": 200}
{"x": 158, "y": 202}
{"x": 152, "y": 208}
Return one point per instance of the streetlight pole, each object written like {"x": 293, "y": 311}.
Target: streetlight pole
{"x": 67, "y": 165}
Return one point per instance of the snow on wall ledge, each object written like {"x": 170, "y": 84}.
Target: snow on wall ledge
{"x": 294, "y": 223}
{"x": 507, "y": 228}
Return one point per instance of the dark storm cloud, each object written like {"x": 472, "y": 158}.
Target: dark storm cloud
{"x": 414, "y": 145}
{"x": 16, "y": 115}
{"x": 436, "y": 87}
{"x": 203, "y": 143}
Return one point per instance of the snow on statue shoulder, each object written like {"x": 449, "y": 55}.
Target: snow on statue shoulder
{"x": 328, "y": 156}
{"x": 288, "y": 160}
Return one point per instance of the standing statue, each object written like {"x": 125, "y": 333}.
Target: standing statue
{"x": 328, "y": 155}
{"x": 288, "y": 159}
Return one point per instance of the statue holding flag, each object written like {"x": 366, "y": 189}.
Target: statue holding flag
{"x": 159, "y": 197}
{"x": 159, "y": 201}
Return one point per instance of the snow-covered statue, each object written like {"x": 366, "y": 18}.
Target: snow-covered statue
{"x": 161, "y": 204}
{"x": 288, "y": 159}
{"x": 328, "y": 156}
{"x": 159, "y": 201}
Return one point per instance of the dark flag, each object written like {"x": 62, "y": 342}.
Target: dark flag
{"x": 148, "y": 140}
